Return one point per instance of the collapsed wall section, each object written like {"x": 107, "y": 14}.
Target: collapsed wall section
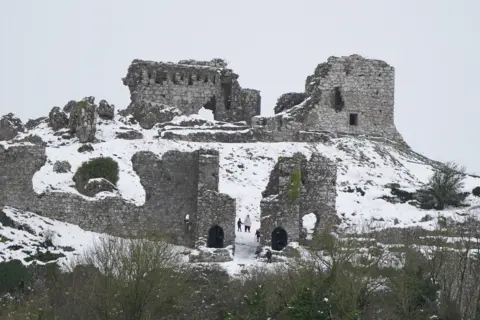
{"x": 297, "y": 187}
{"x": 191, "y": 85}
{"x": 176, "y": 185}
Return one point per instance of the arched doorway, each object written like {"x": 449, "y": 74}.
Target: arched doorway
{"x": 215, "y": 237}
{"x": 279, "y": 238}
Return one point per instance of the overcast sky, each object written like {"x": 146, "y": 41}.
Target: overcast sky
{"x": 55, "y": 51}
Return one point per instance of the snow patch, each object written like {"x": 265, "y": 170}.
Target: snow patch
{"x": 308, "y": 222}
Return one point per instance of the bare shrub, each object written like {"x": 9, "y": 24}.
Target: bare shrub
{"x": 135, "y": 279}
{"x": 444, "y": 187}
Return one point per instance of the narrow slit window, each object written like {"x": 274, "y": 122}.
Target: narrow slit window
{"x": 338, "y": 97}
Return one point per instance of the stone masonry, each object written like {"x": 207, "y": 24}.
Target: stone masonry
{"x": 351, "y": 95}
{"x": 191, "y": 85}
{"x": 297, "y": 187}
{"x": 178, "y": 184}
{"x": 344, "y": 96}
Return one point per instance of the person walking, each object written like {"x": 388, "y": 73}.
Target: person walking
{"x": 268, "y": 255}
{"x": 258, "y": 252}
{"x": 247, "y": 223}
{"x": 239, "y": 225}
{"x": 257, "y": 234}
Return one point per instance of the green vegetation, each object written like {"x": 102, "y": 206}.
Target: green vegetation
{"x": 346, "y": 278}
{"x": 45, "y": 257}
{"x": 14, "y": 276}
{"x": 80, "y": 106}
{"x": 295, "y": 183}
{"x": 106, "y": 168}
{"x": 3, "y": 239}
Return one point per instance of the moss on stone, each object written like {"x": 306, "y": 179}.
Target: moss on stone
{"x": 295, "y": 183}
{"x": 103, "y": 167}
{"x": 81, "y": 105}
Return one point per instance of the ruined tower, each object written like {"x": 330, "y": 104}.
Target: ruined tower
{"x": 345, "y": 95}
{"x": 297, "y": 187}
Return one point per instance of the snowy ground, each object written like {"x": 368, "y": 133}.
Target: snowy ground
{"x": 244, "y": 173}
{"x": 68, "y": 239}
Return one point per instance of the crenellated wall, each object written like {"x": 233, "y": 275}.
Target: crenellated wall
{"x": 192, "y": 85}
{"x": 176, "y": 185}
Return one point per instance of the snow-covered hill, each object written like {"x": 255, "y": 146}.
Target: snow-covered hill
{"x": 365, "y": 167}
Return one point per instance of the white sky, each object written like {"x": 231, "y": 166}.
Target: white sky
{"x": 55, "y": 51}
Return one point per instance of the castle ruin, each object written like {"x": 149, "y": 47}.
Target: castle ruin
{"x": 177, "y": 185}
{"x": 344, "y": 96}
{"x": 191, "y": 85}
{"x": 297, "y": 187}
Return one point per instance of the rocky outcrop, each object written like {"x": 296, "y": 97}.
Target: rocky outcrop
{"x": 147, "y": 114}
{"x": 95, "y": 186}
{"x": 34, "y": 139}
{"x": 129, "y": 135}
{"x": 289, "y": 100}
{"x": 62, "y": 167}
{"x": 57, "y": 119}
{"x": 33, "y": 123}
{"x": 105, "y": 110}
{"x": 10, "y": 126}
{"x": 83, "y": 120}
{"x": 85, "y": 148}
{"x": 70, "y": 106}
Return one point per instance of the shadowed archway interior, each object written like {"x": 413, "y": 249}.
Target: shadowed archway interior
{"x": 215, "y": 237}
{"x": 279, "y": 238}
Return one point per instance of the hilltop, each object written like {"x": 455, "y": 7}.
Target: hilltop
{"x": 157, "y": 167}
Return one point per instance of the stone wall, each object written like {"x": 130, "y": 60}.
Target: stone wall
{"x": 350, "y": 95}
{"x": 177, "y": 184}
{"x": 213, "y": 208}
{"x": 284, "y": 207}
{"x": 191, "y": 85}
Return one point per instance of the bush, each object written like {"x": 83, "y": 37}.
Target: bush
{"x": 13, "y": 276}
{"x": 444, "y": 187}
{"x": 106, "y": 168}
{"x": 135, "y": 280}
{"x": 476, "y": 191}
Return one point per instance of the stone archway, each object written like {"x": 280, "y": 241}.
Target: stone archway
{"x": 215, "y": 237}
{"x": 279, "y": 238}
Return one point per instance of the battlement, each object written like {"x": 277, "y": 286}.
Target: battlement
{"x": 192, "y": 85}
{"x": 186, "y": 72}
